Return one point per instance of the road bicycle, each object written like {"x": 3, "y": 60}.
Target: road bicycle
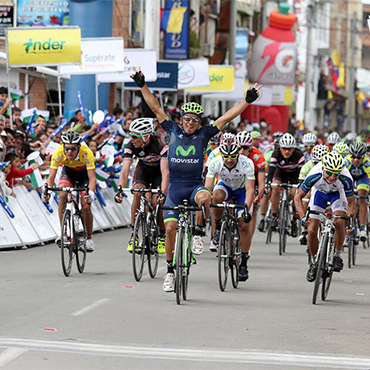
{"x": 285, "y": 218}
{"x": 229, "y": 251}
{"x": 325, "y": 255}
{"x": 73, "y": 230}
{"x": 145, "y": 235}
{"x": 183, "y": 254}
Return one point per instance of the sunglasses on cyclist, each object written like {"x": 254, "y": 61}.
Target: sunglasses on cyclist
{"x": 334, "y": 174}
{"x": 232, "y": 156}
{"x": 73, "y": 149}
{"x": 246, "y": 147}
{"x": 361, "y": 157}
{"x": 194, "y": 119}
{"x": 135, "y": 135}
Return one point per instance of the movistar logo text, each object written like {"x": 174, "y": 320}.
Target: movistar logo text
{"x": 33, "y": 46}
{"x": 185, "y": 153}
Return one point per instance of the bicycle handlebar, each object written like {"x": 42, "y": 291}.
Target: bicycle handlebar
{"x": 334, "y": 216}
{"x": 285, "y": 185}
{"x": 181, "y": 207}
{"x": 152, "y": 191}
{"x": 228, "y": 205}
{"x": 66, "y": 189}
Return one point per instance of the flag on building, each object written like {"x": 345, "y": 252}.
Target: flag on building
{"x": 173, "y": 19}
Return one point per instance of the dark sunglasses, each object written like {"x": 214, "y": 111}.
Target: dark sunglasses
{"x": 332, "y": 174}
{"x": 246, "y": 147}
{"x": 362, "y": 157}
{"x": 232, "y": 156}
{"x": 194, "y": 119}
{"x": 74, "y": 149}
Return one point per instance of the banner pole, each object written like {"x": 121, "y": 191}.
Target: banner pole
{"x": 60, "y": 96}
{"x": 8, "y": 78}
{"x": 97, "y": 93}
{"x": 184, "y": 96}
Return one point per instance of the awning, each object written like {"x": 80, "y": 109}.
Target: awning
{"x": 244, "y": 8}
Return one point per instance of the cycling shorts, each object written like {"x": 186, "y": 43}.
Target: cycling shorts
{"x": 319, "y": 201}
{"x": 73, "y": 178}
{"x": 239, "y": 194}
{"x": 147, "y": 178}
{"x": 362, "y": 183}
{"x": 177, "y": 193}
{"x": 286, "y": 177}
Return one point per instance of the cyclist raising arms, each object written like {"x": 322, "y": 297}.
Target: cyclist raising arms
{"x": 151, "y": 170}
{"x": 78, "y": 170}
{"x": 329, "y": 181}
{"x": 236, "y": 179}
{"x": 186, "y": 157}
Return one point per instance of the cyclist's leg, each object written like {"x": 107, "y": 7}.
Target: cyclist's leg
{"x": 66, "y": 180}
{"x": 362, "y": 191}
{"x": 220, "y": 194}
{"x": 141, "y": 181}
{"x": 275, "y": 193}
{"x": 202, "y": 196}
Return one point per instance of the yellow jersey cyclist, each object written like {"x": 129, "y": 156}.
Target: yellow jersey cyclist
{"x": 341, "y": 148}
{"x": 358, "y": 164}
{"x": 329, "y": 181}
{"x": 78, "y": 171}
{"x": 151, "y": 170}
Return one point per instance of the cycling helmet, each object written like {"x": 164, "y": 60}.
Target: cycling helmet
{"x": 333, "y": 138}
{"x": 244, "y": 138}
{"x": 318, "y": 151}
{"x": 192, "y": 107}
{"x": 341, "y": 148}
{"x": 358, "y": 149}
{"x": 227, "y": 136}
{"x": 309, "y": 139}
{"x": 71, "y": 137}
{"x": 256, "y": 135}
{"x": 277, "y": 135}
{"x": 287, "y": 141}
{"x": 216, "y": 138}
{"x": 142, "y": 126}
{"x": 333, "y": 162}
{"x": 350, "y": 137}
{"x": 229, "y": 147}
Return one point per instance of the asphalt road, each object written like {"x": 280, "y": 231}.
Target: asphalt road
{"x": 104, "y": 319}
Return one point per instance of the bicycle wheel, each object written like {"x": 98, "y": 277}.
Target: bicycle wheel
{"x": 67, "y": 243}
{"x": 268, "y": 229}
{"x": 282, "y": 229}
{"x": 320, "y": 265}
{"x": 187, "y": 263}
{"x": 235, "y": 255}
{"x": 356, "y": 241}
{"x": 138, "y": 250}
{"x": 351, "y": 244}
{"x": 326, "y": 282}
{"x": 223, "y": 256}
{"x": 179, "y": 264}
{"x": 152, "y": 249}
{"x": 81, "y": 237}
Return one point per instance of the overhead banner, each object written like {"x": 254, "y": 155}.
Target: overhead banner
{"x": 193, "y": 73}
{"x": 167, "y": 75}
{"x": 176, "y": 44}
{"x": 31, "y": 46}
{"x": 221, "y": 78}
{"x": 145, "y": 59}
{"x": 98, "y": 55}
{"x": 6, "y": 18}
{"x": 42, "y": 13}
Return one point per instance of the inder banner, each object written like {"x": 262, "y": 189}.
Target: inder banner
{"x": 43, "y": 46}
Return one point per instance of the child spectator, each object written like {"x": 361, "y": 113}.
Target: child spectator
{"x": 16, "y": 172}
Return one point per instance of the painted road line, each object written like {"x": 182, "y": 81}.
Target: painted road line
{"x": 296, "y": 359}
{"x": 85, "y": 310}
{"x": 10, "y": 354}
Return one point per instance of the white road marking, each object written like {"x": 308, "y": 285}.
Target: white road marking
{"x": 296, "y": 359}
{"x": 10, "y": 354}
{"x": 85, "y": 310}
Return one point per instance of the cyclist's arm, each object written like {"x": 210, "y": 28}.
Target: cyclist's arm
{"x": 51, "y": 178}
{"x": 351, "y": 205}
{"x": 298, "y": 201}
{"x": 209, "y": 183}
{"x": 232, "y": 113}
{"x": 249, "y": 195}
{"x": 165, "y": 175}
{"x": 123, "y": 176}
{"x": 92, "y": 179}
{"x": 153, "y": 104}
{"x": 261, "y": 182}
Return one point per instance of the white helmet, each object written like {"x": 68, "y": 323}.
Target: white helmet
{"x": 71, "y": 137}
{"x": 309, "y": 139}
{"x": 229, "y": 147}
{"x": 244, "y": 138}
{"x": 287, "y": 141}
{"x": 142, "y": 126}
{"x": 351, "y": 136}
{"x": 227, "y": 136}
{"x": 333, "y": 138}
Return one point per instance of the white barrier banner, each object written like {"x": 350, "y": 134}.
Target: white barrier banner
{"x": 193, "y": 73}
{"x": 8, "y": 236}
{"x": 98, "y": 55}
{"x": 145, "y": 59}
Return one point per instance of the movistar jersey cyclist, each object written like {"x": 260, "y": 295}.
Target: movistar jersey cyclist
{"x": 329, "y": 181}
{"x": 151, "y": 170}
{"x": 358, "y": 164}
{"x": 186, "y": 157}
{"x": 78, "y": 171}
{"x": 236, "y": 179}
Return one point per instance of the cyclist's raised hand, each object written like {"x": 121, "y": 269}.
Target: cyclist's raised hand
{"x": 138, "y": 77}
{"x": 253, "y": 93}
